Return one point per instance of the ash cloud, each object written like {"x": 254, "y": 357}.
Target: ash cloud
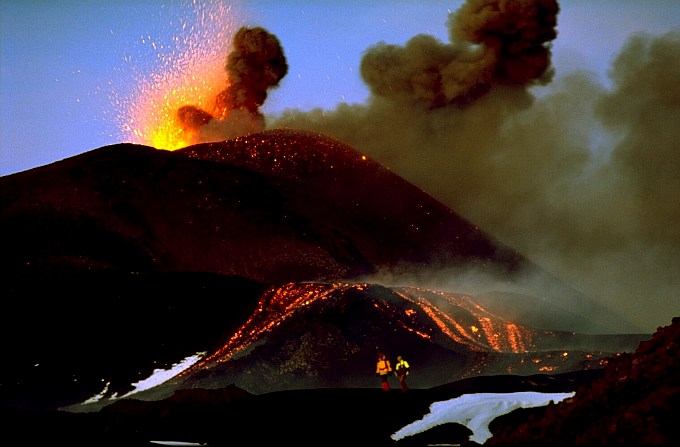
{"x": 580, "y": 178}
{"x": 492, "y": 43}
{"x": 255, "y": 64}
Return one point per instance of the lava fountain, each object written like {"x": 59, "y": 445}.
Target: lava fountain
{"x": 188, "y": 69}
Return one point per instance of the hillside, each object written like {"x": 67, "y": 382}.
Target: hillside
{"x": 634, "y": 402}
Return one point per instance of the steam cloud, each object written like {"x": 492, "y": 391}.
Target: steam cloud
{"x": 255, "y": 64}
{"x": 580, "y": 178}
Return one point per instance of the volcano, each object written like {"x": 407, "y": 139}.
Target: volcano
{"x": 274, "y": 206}
{"x": 127, "y": 258}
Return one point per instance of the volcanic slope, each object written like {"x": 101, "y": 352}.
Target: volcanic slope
{"x": 326, "y": 335}
{"x": 367, "y": 219}
{"x": 273, "y": 207}
{"x": 364, "y": 215}
{"x": 279, "y": 206}
{"x": 635, "y": 401}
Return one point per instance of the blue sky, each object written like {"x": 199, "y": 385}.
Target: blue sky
{"x": 62, "y": 60}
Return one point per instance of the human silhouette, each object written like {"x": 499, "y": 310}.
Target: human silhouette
{"x": 383, "y": 369}
{"x": 402, "y": 370}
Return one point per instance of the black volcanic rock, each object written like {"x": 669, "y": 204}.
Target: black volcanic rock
{"x": 635, "y": 401}
{"x": 134, "y": 208}
{"x": 277, "y": 206}
{"x": 364, "y": 210}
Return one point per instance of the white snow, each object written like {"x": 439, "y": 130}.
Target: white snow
{"x": 476, "y": 411}
{"x": 158, "y": 377}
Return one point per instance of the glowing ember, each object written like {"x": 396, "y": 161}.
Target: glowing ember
{"x": 189, "y": 70}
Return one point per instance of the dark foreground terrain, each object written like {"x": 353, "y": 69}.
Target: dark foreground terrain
{"x": 633, "y": 400}
{"x": 231, "y": 416}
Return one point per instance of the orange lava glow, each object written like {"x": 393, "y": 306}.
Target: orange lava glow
{"x": 452, "y": 317}
{"x": 487, "y": 331}
{"x": 189, "y": 70}
{"x": 274, "y": 307}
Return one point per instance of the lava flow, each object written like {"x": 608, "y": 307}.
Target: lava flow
{"x": 443, "y": 318}
{"x": 483, "y": 332}
{"x": 275, "y": 306}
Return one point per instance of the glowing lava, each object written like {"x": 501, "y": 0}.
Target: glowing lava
{"x": 455, "y": 317}
{"x": 275, "y": 306}
{"x": 188, "y": 70}
{"x": 474, "y": 327}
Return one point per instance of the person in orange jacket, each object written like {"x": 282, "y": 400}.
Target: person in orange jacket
{"x": 383, "y": 369}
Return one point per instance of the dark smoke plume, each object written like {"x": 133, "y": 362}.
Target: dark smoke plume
{"x": 492, "y": 43}
{"x": 192, "y": 117}
{"x": 255, "y": 65}
{"x": 582, "y": 179}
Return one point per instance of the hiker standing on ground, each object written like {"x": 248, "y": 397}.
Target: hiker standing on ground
{"x": 383, "y": 369}
{"x": 402, "y": 370}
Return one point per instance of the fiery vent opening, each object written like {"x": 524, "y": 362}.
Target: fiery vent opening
{"x": 188, "y": 70}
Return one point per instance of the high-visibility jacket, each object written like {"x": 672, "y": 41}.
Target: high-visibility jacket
{"x": 383, "y": 367}
{"x": 402, "y": 367}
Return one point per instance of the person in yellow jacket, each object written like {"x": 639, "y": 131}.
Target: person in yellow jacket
{"x": 383, "y": 369}
{"x": 402, "y": 370}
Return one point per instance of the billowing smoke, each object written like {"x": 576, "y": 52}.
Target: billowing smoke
{"x": 492, "y": 43}
{"x": 579, "y": 177}
{"x": 255, "y": 64}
